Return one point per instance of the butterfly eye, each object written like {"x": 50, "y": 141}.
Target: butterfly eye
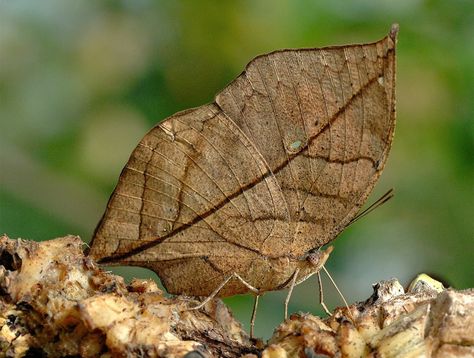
{"x": 313, "y": 258}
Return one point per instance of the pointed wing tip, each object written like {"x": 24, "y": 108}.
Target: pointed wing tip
{"x": 394, "y": 31}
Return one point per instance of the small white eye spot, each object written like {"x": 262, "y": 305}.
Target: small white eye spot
{"x": 295, "y": 146}
{"x": 380, "y": 80}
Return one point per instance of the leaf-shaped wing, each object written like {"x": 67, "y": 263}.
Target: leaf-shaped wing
{"x": 276, "y": 166}
{"x": 323, "y": 119}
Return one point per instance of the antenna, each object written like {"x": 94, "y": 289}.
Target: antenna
{"x": 380, "y": 201}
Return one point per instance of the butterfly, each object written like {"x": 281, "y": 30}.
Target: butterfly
{"x": 239, "y": 195}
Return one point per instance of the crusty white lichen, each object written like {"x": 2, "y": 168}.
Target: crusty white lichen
{"x": 391, "y": 323}
{"x": 56, "y": 301}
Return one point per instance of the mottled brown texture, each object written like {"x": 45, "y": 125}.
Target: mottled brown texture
{"x": 390, "y": 324}
{"x": 54, "y": 302}
{"x": 275, "y": 167}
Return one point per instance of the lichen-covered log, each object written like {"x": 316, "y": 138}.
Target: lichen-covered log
{"x": 391, "y": 323}
{"x": 56, "y": 302}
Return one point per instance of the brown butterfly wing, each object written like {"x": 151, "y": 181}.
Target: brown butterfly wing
{"x": 323, "y": 119}
{"x": 278, "y": 165}
{"x": 195, "y": 197}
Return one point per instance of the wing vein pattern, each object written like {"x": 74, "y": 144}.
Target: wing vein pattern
{"x": 276, "y": 166}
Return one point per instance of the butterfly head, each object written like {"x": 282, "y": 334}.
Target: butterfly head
{"x": 318, "y": 258}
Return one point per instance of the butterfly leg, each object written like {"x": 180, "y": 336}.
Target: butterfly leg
{"x": 246, "y": 284}
{"x": 255, "y": 303}
{"x": 321, "y": 295}
{"x": 340, "y": 294}
{"x": 221, "y": 286}
{"x": 254, "y": 314}
{"x": 290, "y": 291}
{"x": 213, "y": 294}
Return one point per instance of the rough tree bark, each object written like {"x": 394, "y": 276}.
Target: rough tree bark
{"x": 55, "y": 303}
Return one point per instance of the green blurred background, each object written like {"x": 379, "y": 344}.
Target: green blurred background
{"x": 81, "y": 82}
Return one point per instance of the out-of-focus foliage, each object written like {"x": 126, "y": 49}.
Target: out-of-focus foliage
{"x": 81, "y": 82}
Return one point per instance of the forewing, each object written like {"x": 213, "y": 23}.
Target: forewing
{"x": 323, "y": 119}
